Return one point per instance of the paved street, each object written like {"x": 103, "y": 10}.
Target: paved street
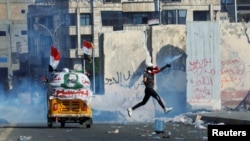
{"x": 103, "y": 131}
{"x": 16, "y": 123}
{"x": 185, "y": 127}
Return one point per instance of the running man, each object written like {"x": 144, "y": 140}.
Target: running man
{"x": 148, "y": 80}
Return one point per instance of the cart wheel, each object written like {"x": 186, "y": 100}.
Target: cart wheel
{"x": 81, "y": 122}
{"x": 88, "y": 125}
{"x": 62, "y": 124}
{"x": 49, "y": 122}
{"x": 89, "y": 122}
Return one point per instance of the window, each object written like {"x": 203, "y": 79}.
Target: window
{"x": 85, "y": 19}
{"x": 23, "y": 11}
{"x": 127, "y": 18}
{"x": 171, "y": 17}
{"x": 224, "y": 5}
{"x": 227, "y": 1}
{"x": 169, "y": 1}
{"x": 245, "y": 7}
{"x": 23, "y": 32}
{"x": 112, "y": 1}
{"x": 111, "y": 18}
{"x": 201, "y": 16}
{"x": 174, "y": 16}
{"x": 2, "y": 33}
{"x": 3, "y": 59}
{"x": 139, "y": 18}
{"x": 182, "y": 16}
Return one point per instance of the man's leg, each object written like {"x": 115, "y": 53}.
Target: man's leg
{"x": 143, "y": 102}
{"x": 159, "y": 100}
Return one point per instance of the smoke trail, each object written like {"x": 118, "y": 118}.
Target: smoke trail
{"x": 170, "y": 59}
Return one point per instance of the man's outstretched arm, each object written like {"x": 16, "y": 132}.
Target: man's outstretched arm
{"x": 164, "y": 67}
{"x": 157, "y": 69}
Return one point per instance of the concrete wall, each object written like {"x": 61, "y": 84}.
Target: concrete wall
{"x": 221, "y": 80}
{"x": 203, "y": 65}
{"x": 235, "y": 45}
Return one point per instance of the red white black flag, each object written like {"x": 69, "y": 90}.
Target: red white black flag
{"x": 87, "y": 46}
{"x": 54, "y": 58}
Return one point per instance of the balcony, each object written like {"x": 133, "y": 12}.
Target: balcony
{"x": 84, "y": 30}
{"x": 191, "y": 2}
{"x": 139, "y": 6}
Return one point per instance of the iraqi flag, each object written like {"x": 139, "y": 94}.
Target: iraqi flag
{"x": 87, "y": 46}
{"x": 54, "y": 58}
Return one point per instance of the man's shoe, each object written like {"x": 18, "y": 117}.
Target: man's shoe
{"x": 129, "y": 112}
{"x": 167, "y": 110}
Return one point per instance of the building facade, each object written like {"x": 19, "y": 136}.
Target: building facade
{"x": 34, "y": 26}
{"x": 66, "y": 24}
{"x": 13, "y": 38}
{"x": 237, "y": 10}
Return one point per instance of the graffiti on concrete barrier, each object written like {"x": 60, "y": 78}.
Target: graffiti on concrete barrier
{"x": 125, "y": 79}
{"x": 201, "y": 80}
{"x": 129, "y": 79}
{"x": 232, "y": 72}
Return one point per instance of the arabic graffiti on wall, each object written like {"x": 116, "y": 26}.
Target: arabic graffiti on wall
{"x": 125, "y": 79}
{"x": 232, "y": 72}
{"x": 202, "y": 80}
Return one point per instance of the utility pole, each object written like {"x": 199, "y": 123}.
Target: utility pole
{"x": 235, "y": 11}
